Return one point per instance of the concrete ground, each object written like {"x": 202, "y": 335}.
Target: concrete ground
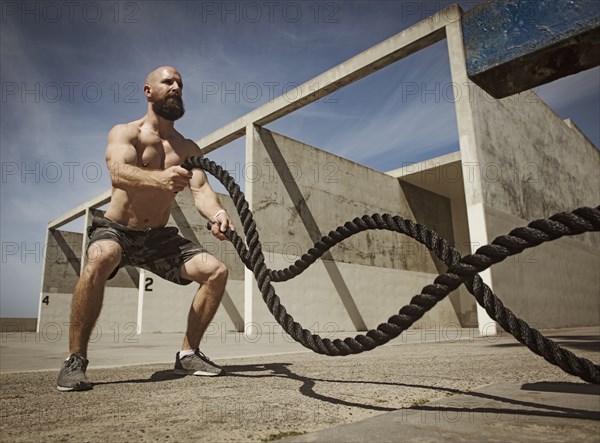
{"x": 424, "y": 386}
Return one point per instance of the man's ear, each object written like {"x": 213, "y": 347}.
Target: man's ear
{"x": 147, "y": 91}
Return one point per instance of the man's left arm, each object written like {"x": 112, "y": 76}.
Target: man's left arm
{"x": 208, "y": 204}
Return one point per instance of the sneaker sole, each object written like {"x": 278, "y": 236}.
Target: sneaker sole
{"x": 76, "y": 388}
{"x": 204, "y": 373}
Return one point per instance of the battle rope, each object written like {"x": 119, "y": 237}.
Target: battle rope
{"x": 460, "y": 270}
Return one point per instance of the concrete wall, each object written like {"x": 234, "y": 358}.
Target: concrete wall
{"x": 533, "y": 165}
{"x": 165, "y": 305}
{"x": 61, "y": 271}
{"x": 521, "y": 162}
{"x": 298, "y": 193}
{"x": 63, "y": 260}
{"x": 444, "y": 176}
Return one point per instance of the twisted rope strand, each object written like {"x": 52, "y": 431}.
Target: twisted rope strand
{"x": 460, "y": 271}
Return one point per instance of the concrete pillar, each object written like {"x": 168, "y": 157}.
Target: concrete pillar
{"x": 140, "y": 307}
{"x": 469, "y": 155}
{"x": 44, "y": 272}
{"x": 251, "y": 137}
{"x": 87, "y": 221}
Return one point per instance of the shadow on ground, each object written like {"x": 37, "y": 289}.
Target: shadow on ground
{"x": 571, "y": 342}
{"x": 309, "y": 387}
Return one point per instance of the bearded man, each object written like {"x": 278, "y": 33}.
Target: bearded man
{"x": 143, "y": 158}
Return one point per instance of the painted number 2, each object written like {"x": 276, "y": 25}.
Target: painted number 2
{"x": 149, "y": 281}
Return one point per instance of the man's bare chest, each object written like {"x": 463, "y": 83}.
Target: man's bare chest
{"x": 159, "y": 154}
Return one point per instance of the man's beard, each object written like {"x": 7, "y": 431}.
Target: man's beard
{"x": 169, "y": 107}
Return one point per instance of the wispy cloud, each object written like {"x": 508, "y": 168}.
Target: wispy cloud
{"x": 570, "y": 90}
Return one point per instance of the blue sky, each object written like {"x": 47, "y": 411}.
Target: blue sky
{"x": 69, "y": 73}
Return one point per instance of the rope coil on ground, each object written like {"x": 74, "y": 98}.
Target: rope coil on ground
{"x": 460, "y": 270}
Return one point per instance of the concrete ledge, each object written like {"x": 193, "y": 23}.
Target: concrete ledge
{"x": 531, "y": 412}
{"x": 17, "y": 324}
{"x": 513, "y": 46}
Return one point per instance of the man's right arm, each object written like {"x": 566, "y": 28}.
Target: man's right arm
{"x": 122, "y": 159}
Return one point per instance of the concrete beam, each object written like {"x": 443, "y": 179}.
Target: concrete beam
{"x": 513, "y": 45}
{"x": 415, "y": 168}
{"x": 403, "y": 44}
{"x": 80, "y": 210}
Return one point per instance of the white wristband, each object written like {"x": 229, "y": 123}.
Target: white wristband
{"x": 217, "y": 214}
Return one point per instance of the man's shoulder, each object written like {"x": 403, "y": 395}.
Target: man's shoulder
{"x": 125, "y": 131}
{"x": 192, "y": 149}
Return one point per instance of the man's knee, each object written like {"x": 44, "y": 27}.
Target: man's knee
{"x": 203, "y": 269}
{"x": 102, "y": 258}
{"x": 220, "y": 272}
{"x": 216, "y": 274}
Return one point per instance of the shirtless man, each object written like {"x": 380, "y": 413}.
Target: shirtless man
{"x": 143, "y": 158}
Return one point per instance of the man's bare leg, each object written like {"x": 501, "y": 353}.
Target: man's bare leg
{"x": 212, "y": 275}
{"x": 103, "y": 257}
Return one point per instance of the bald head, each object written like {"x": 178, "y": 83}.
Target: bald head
{"x": 164, "y": 80}
{"x": 161, "y": 72}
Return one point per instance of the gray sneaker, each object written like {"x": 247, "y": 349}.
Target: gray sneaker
{"x": 72, "y": 374}
{"x": 196, "y": 364}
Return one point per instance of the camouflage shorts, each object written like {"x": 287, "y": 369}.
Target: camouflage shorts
{"x": 158, "y": 250}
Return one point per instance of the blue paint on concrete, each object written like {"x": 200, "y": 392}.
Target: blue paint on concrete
{"x": 500, "y": 31}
